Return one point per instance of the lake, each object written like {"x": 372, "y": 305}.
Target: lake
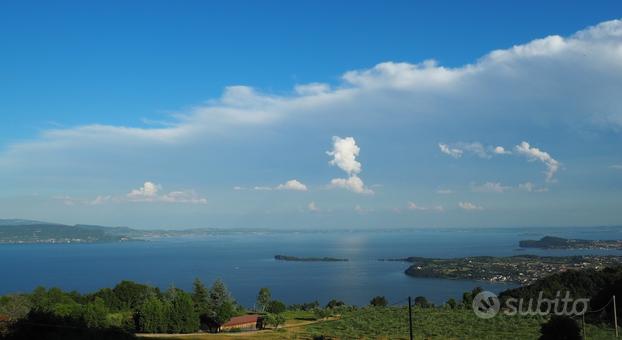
{"x": 245, "y": 262}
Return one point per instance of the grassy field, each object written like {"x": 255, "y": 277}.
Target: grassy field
{"x": 392, "y": 323}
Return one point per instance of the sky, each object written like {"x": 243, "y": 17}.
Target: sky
{"x": 311, "y": 114}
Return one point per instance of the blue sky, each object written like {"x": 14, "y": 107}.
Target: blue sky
{"x": 184, "y": 114}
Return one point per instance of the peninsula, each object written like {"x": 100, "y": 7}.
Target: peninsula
{"x": 552, "y": 242}
{"x": 522, "y": 269}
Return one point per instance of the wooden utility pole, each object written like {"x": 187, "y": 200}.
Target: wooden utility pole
{"x": 410, "y": 318}
{"x": 615, "y": 315}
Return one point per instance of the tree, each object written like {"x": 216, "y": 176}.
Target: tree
{"x": 221, "y": 306}
{"x": 181, "y": 315}
{"x": 94, "y": 314}
{"x": 422, "y": 302}
{"x": 334, "y": 303}
{"x": 200, "y": 297}
{"x": 130, "y": 294}
{"x": 276, "y": 307}
{"x": 15, "y": 306}
{"x": 451, "y": 303}
{"x": 322, "y": 313}
{"x": 263, "y": 298}
{"x": 274, "y": 320}
{"x": 152, "y": 316}
{"x": 560, "y": 328}
{"x": 378, "y": 301}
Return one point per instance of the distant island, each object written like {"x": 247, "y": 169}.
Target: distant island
{"x": 552, "y": 242}
{"x": 308, "y": 259}
{"x": 521, "y": 269}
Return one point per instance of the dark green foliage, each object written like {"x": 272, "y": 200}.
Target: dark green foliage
{"x": 15, "y": 306}
{"x": 276, "y": 307}
{"x": 94, "y": 314}
{"x": 421, "y": 301}
{"x": 451, "y": 303}
{"x": 274, "y": 320}
{"x": 378, "y": 301}
{"x": 200, "y": 297}
{"x": 580, "y": 284}
{"x": 48, "y": 326}
{"x": 182, "y": 317}
{"x": 335, "y": 303}
{"x": 152, "y": 316}
{"x": 560, "y": 328}
{"x": 307, "y": 306}
{"x": 130, "y": 295}
{"x": 467, "y": 297}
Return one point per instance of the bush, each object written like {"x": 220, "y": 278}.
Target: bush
{"x": 378, "y": 301}
{"x": 276, "y": 307}
{"x": 560, "y": 328}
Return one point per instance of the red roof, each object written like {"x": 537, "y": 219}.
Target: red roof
{"x": 241, "y": 320}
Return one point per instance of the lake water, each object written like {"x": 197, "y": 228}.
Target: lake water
{"x": 245, "y": 262}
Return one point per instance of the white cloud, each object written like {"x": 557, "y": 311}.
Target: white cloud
{"x": 262, "y": 188}
{"x": 444, "y": 191}
{"x": 414, "y": 206}
{"x": 456, "y": 150}
{"x": 499, "y": 150}
{"x": 530, "y": 187}
{"x": 495, "y": 187}
{"x": 509, "y": 88}
{"x": 533, "y": 154}
{"x": 616, "y": 166}
{"x": 352, "y": 183}
{"x": 469, "y": 206}
{"x": 292, "y": 185}
{"x": 313, "y": 207}
{"x": 150, "y": 192}
{"x": 453, "y": 152}
{"x": 344, "y": 154}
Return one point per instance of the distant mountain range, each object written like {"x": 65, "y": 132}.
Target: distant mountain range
{"x": 19, "y": 231}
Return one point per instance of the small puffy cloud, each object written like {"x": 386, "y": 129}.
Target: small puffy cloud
{"x": 469, "y": 206}
{"x": 456, "y": 150}
{"x": 499, "y": 150}
{"x": 238, "y": 188}
{"x": 344, "y": 154}
{"x": 313, "y": 207}
{"x": 262, "y": 188}
{"x": 352, "y": 183}
{"x": 453, "y": 152}
{"x": 150, "y": 192}
{"x": 616, "y": 166}
{"x": 100, "y": 200}
{"x": 533, "y": 154}
{"x": 495, "y": 187}
{"x": 292, "y": 185}
{"x": 444, "y": 191}
{"x": 530, "y": 187}
{"x": 414, "y": 206}
{"x": 188, "y": 196}
{"x": 361, "y": 210}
